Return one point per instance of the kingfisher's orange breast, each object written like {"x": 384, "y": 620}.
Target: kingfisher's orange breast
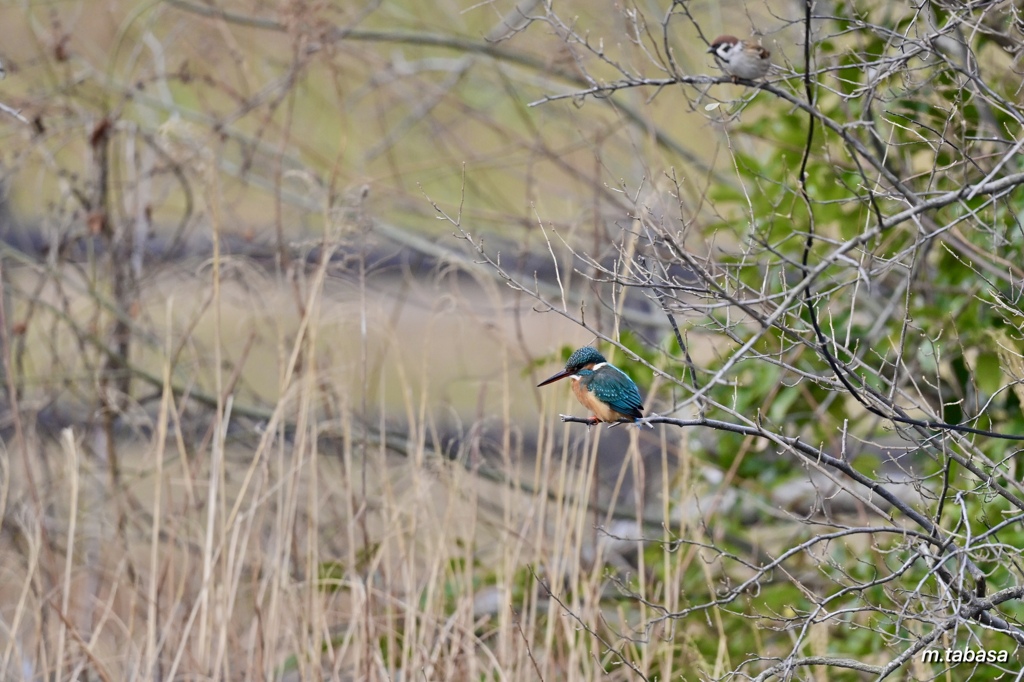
{"x": 600, "y": 409}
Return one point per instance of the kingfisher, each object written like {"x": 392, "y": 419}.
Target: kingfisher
{"x": 601, "y": 387}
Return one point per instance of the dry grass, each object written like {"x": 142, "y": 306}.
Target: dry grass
{"x": 314, "y": 544}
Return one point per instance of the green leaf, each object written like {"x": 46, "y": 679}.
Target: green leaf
{"x": 988, "y": 375}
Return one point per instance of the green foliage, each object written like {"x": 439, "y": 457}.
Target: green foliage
{"x": 923, "y": 317}
{"x": 641, "y": 374}
{"x": 330, "y": 575}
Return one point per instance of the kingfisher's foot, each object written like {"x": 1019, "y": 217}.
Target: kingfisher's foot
{"x": 645, "y": 421}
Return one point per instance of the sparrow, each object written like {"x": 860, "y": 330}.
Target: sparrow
{"x": 740, "y": 58}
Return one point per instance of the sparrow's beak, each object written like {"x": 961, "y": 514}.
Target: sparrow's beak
{"x": 711, "y": 49}
{"x": 555, "y": 377}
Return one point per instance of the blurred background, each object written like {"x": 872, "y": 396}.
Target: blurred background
{"x": 282, "y": 131}
{"x": 222, "y": 255}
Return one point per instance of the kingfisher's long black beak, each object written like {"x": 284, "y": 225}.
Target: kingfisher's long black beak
{"x": 555, "y": 377}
